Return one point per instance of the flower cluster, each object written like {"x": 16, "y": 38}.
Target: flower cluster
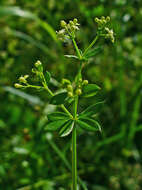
{"x": 68, "y": 29}
{"x": 38, "y": 71}
{"x": 77, "y": 90}
{"x": 103, "y": 29}
{"x": 22, "y": 80}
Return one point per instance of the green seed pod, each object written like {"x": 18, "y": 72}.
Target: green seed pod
{"x": 70, "y": 94}
{"x": 69, "y": 87}
{"x": 18, "y": 85}
{"x": 78, "y": 91}
{"x": 85, "y": 82}
{"x": 63, "y": 24}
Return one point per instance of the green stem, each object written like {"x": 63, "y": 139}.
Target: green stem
{"x": 74, "y": 149}
{"x": 74, "y": 160}
{"x": 62, "y": 106}
{"x": 76, "y": 48}
{"x": 91, "y": 45}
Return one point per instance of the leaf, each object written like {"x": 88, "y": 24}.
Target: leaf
{"x": 17, "y": 11}
{"x": 47, "y": 76}
{"x": 53, "y": 126}
{"x": 89, "y": 124}
{"x": 90, "y": 90}
{"x": 93, "y": 52}
{"x": 67, "y": 129}
{"x": 58, "y": 98}
{"x": 91, "y": 110}
{"x": 71, "y": 56}
{"x": 57, "y": 116}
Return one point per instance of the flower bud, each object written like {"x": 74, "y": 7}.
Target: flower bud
{"x": 69, "y": 87}
{"x": 78, "y": 91}
{"x": 80, "y": 80}
{"x": 39, "y": 66}
{"x": 85, "y": 82}
{"x": 70, "y": 94}
{"x": 63, "y": 24}
{"x": 75, "y": 20}
{"x": 26, "y": 76}
{"x": 108, "y": 19}
{"x": 22, "y": 80}
{"x": 96, "y": 20}
{"x": 18, "y": 85}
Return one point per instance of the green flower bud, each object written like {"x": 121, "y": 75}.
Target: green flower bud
{"x": 70, "y": 94}
{"x": 26, "y": 76}
{"x": 63, "y": 24}
{"x": 75, "y": 20}
{"x": 108, "y": 19}
{"x": 18, "y": 85}
{"x": 80, "y": 80}
{"x": 22, "y": 80}
{"x": 71, "y": 23}
{"x": 39, "y": 66}
{"x": 69, "y": 87}
{"x": 85, "y": 82}
{"x": 78, "y": 91}
{"x": 96, "y": 20}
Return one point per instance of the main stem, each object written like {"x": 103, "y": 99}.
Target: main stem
{"x": 74, "y": 149}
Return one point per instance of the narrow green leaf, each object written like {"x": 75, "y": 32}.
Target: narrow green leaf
{"x": 47, "y": 76}
{"x": 57, "y": 116}
{"x": 89, "y": 124}
{"x": 58, "y": 98}
{"x": 55, "y": 125}
{"x": 90, "y": 90}
{"x": 93, "y": 52}
{"x": 71, "y": 56}
{"x": 67, "y": 129}
{"x": 92, "y": 122}
{"x": 91, "y": 110}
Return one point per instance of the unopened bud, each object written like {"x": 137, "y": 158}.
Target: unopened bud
{"x": 78, "y": 91}
{"x": 26, "y": 76}
{"x": 75, "y": 20}
{"x": 108, "y": 19}
{"x": 80, "y": 80}
{"x": 18, "y": 85}
{"x": 96, "y": 20}
{"x": 22, "y": 80}
{"x": 38, "y": 65}
{"x": 85, "y": 82}
{"x": 63, "y": 24}
{"x": 70, "y": 94}
{"x": 69, "y": 87}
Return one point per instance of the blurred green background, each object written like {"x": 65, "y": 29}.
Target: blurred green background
{"x": 29, "y": 157}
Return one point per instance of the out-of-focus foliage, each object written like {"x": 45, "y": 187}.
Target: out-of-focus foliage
{"x": 31, "y": 159}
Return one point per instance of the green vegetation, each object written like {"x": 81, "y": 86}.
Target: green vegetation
{"x": 35, "y": 158}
